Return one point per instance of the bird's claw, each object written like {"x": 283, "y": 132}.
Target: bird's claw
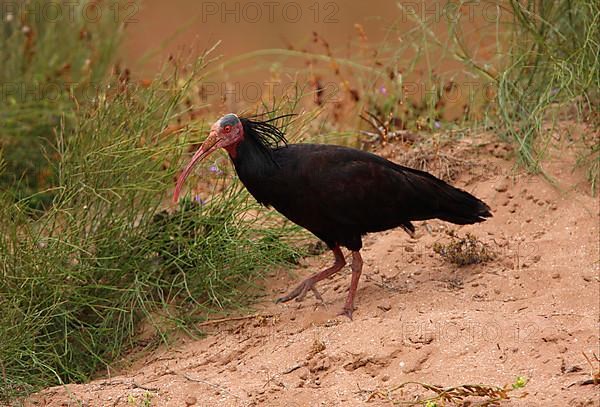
{"x": 347, "y": 312}
{"x": 300, "y": 292}
{"x": 316, "y": 293}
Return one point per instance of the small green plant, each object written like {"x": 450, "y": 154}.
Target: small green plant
{"x": 519, "y": 383}
{"x": 142, "y": 401}
{"x": 147, "y": 400}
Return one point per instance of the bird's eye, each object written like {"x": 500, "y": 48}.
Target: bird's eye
{"x": 227, "y": 129}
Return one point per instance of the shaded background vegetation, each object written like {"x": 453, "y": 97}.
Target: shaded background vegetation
{"x": 48, "y": 68}
{"x": 90, "y": 247}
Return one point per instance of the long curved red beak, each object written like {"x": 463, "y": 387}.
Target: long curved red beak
{"x": 209, "y": 145}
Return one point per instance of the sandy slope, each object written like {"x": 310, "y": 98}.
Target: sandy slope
{"x": 532, "y": 312}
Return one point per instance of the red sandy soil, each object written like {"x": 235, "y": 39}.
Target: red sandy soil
{"x": 532, "y": 312}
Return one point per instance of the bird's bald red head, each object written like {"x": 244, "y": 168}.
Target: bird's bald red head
{"x": 225, "y": 133}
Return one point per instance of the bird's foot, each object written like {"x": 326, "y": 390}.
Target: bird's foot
{"x": 347, "y": 312}
{"x": 300, "y": 292}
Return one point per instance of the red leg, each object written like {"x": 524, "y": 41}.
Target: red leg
{"x": 309, "y": 284}
{"x": 357, "y": 264}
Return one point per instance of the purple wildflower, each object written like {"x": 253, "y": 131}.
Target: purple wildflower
{"x": 215, "y": 169}
{"x": 199, "y": 200}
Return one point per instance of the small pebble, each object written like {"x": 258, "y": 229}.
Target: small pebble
{"x": 304, "y": 373}
{"x": 502, "y": 187}
{"x": 556, "y": 275}
{"x": 386, "y": 306}
{"x": 190, "y": 401}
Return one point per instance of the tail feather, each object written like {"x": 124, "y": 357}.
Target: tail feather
{"x": 441, "y": 200}
{"x": 462, "y": 208}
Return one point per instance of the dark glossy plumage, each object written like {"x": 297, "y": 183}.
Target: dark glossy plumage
{"x": 340, "y": 193}
{"x": 337, "y": 193}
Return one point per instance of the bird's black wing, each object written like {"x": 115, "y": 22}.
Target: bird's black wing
{"x": 353, "y": 190}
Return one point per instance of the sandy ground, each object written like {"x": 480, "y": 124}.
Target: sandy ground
{"x": 532, "y": 312}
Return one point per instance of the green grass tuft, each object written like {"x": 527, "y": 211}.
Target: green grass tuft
{"x": 80, "y": 277}
{"x": 553, "y": 63}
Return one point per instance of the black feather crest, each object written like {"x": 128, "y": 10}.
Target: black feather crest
{"x": 264, "y": 132}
